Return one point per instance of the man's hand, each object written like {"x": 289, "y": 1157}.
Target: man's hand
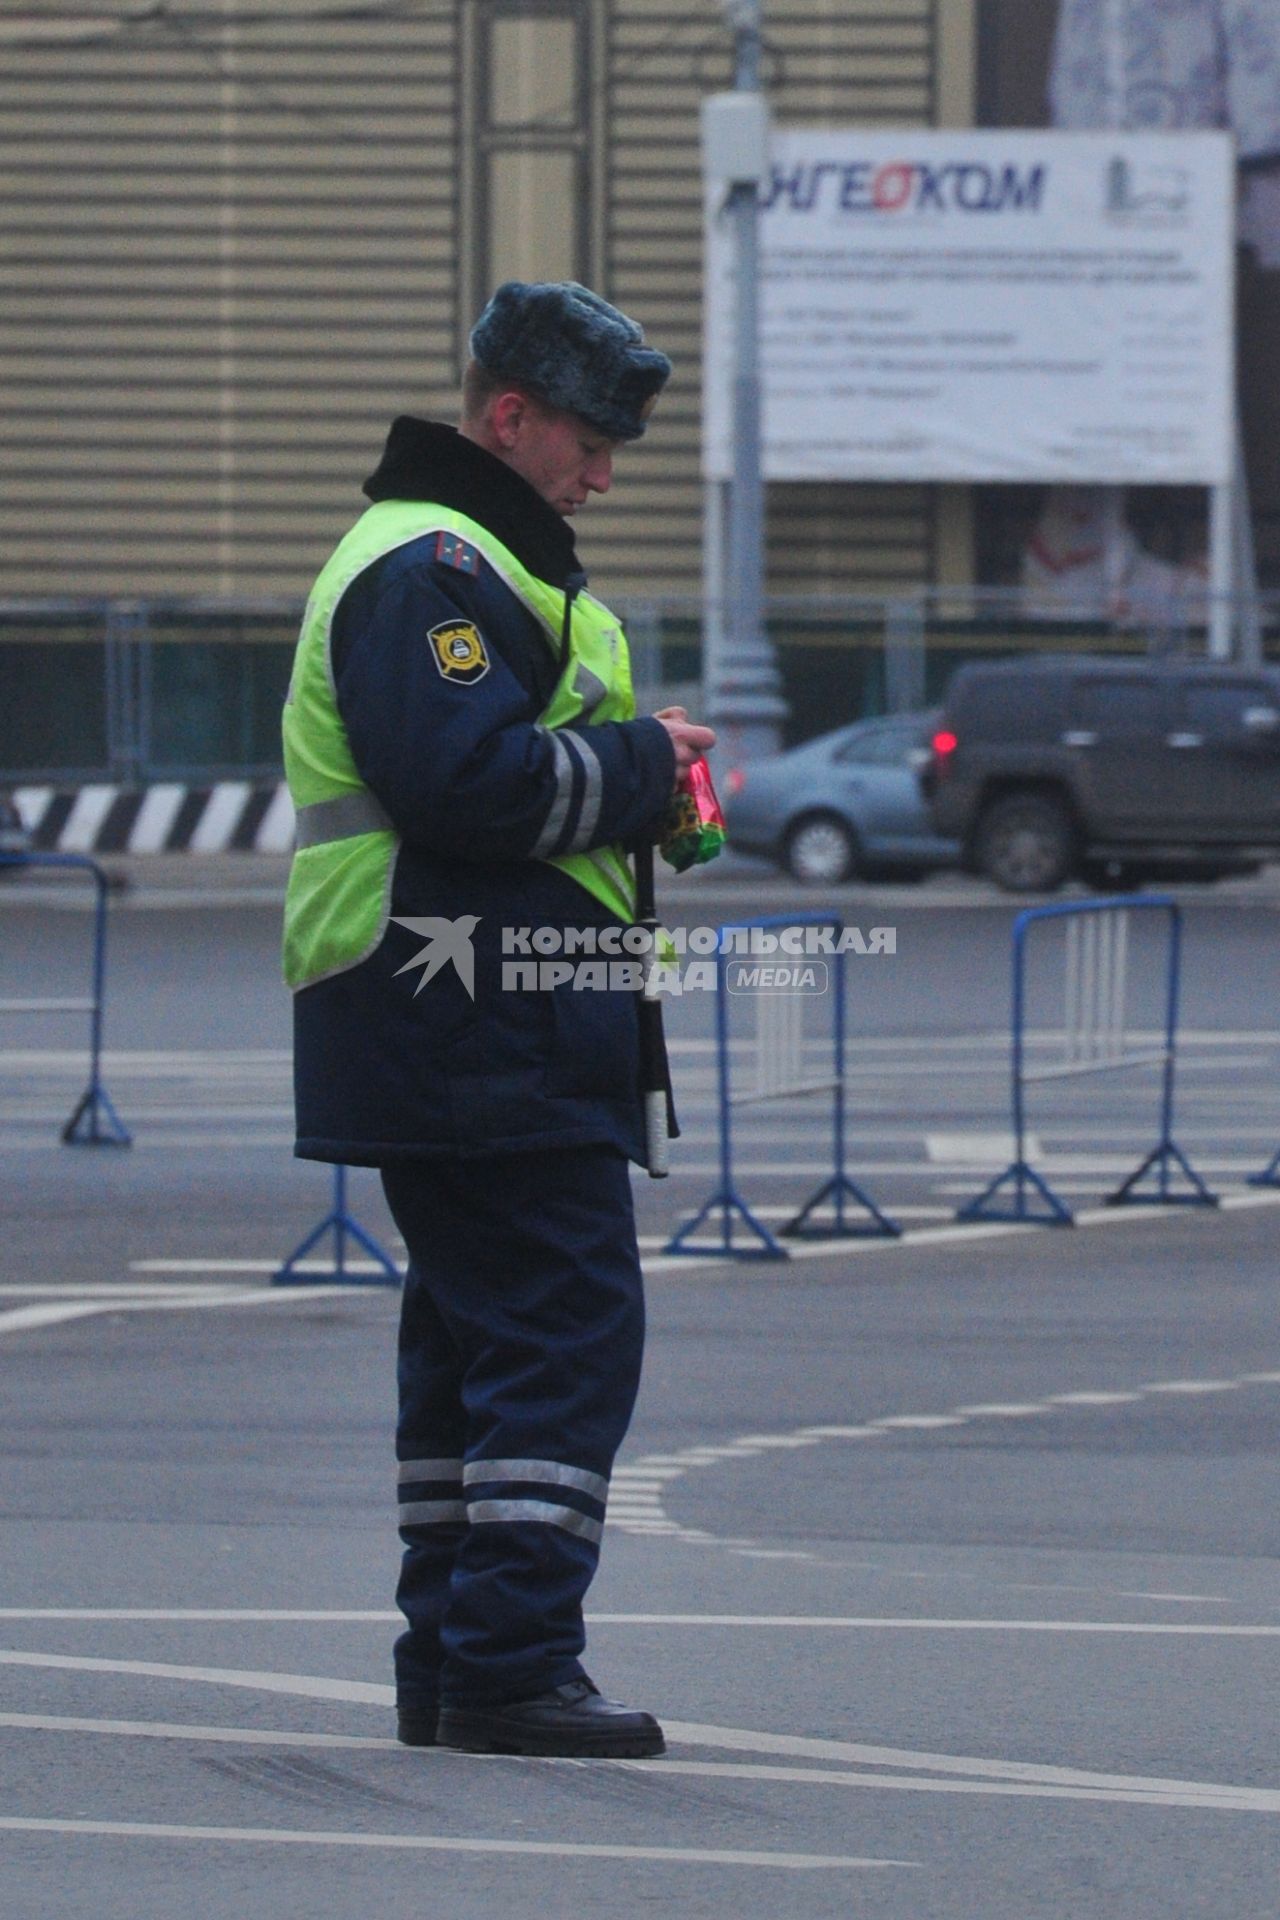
{"x": 688, "y": 739}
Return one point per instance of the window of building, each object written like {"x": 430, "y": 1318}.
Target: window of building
{"x": 530, "y": 138}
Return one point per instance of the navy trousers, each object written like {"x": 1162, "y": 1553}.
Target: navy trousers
{"x": 521, "y": 1334}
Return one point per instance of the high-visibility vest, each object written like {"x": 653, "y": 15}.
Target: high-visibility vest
{"x": 339, "y": 895}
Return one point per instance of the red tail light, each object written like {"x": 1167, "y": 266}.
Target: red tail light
{"x": 944, "y": 743}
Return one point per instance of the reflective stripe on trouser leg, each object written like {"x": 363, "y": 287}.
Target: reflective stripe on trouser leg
{"x": 433, "y": 1516}
{"x": 531, "y": 1349}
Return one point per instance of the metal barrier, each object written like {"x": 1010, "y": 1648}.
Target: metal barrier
{"x": 1270, "y": 1175}
{"x": 343, "y": 1226}
{"x": 94, "y": 1121}
{"x": 781, "y": 1073}
{"x": 1095, "y": 1040}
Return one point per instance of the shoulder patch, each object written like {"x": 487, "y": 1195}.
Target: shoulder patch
{"x": 452, "y": 551}
{"x": 459, "y": 651}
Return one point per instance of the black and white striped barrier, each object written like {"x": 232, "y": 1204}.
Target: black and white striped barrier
{"x": 232, "y": 816}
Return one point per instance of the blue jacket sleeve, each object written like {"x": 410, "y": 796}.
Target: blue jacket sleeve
{"x": 454, "y": 752}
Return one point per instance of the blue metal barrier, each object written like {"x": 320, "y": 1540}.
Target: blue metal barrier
{"x": 1094, "y": 1042}
{"x": 1270, "y": 1175}
{"x": 94, "y": 1121}
{"x": 780, "y": 1075}
{"x": 340, "y": 1222}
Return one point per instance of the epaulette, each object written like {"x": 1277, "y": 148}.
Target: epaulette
{"x": 453, "y": 551}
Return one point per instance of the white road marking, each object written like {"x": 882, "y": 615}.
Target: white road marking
{"x": 339, "y": 1616}
{"x": 884, "y": 1426}
{"x": 248, "y": 1266}
{"x": 1140, "y": 1629}
{"x": 849, "y": 1752}
{"x": 997, "y": 1149}
{"x": 386, "y": 1616}
{"x": 1192, "y": 1795}
{"x": 1191, "y": 1386}
{"x": 1181, "y": 1794}
{"x": 182, "y": 1730}
{"x": 961, "y": 1773}
{"x": 1011, "y": 1410}
{"x": 845, "y": 1433}
{"x": 921, "y": 1420}
{"x": 306, "y": 1686}
{"x": 434, "y": 1843}
{"x": 25, "y": 1319}
{"x": 709, "y": 1259}
{"x": 770, "y": 1553}
{"x": 1090, "y": 1399}
{"x": 101, "y": 1289}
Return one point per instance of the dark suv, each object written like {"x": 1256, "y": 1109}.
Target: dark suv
{"x": 1112, "y": 769}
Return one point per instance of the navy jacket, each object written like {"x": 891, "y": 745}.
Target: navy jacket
{"x": 389, "y": 1064}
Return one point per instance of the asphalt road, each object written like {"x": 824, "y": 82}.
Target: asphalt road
{"x": 949, "y": 1561}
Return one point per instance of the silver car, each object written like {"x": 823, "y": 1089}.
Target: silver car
{"x": 846, "y": 803}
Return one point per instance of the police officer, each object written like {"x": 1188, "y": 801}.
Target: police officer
{"x": 468, "y": 771}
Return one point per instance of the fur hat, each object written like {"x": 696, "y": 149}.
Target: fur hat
{"x": 573, "y": 350}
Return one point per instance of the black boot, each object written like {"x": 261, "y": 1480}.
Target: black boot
{"x": 416, "y": 1726}
{"x": 572, "y": 1721}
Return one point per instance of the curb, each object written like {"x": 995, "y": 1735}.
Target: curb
{"x": 230, "y": 816}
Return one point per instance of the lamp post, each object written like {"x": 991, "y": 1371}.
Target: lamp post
{"x": 741, "y": 683}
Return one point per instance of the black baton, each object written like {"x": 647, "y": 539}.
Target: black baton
{"x": 655, "y": 1072}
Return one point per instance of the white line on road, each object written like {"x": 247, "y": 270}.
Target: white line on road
{"x": 377, "y": 1616}
{"x": 1180, "y": 1629}
{"x": 436, "y": 1843}
{"x": 306, "y": 1615}
{"x": 884, "y": 1426}
{"x": 1216, "y": 1799}
{"x": 846, "y": 1753}
{"x": 855, "y": 1753}
{"x": 305, "y": 1686}
{"x": 710, "y": 1258}
{"x": 1189, "y": 1794}
{"x": 248, "y": 1266}
{"x": 24, "y": 1319}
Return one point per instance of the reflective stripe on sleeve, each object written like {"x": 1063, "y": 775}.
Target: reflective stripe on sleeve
{"x": 593, "y": 793}
{"x": 548, "y": 840}
{"x": 341, "y": 819}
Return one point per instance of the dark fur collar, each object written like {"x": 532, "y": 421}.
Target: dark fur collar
{"x": 427, "y": 460}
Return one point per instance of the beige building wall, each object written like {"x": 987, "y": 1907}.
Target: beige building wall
{"x": 239, "y": 240}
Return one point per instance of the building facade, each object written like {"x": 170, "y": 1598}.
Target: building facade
{"x": 241, "y": 237}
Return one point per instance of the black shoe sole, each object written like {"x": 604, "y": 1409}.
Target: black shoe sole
{"x": 413, "y": 1731}
{"x": 476, "y": 1733}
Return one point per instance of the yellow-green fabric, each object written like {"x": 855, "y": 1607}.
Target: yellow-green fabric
{"x": 338, "y": 898}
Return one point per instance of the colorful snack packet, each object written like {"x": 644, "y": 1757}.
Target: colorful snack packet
{"x": 693, "y": 828}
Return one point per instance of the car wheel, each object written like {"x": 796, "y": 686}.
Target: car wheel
{"x": 820, "y": 850}
{"x": 1026, "y": 843}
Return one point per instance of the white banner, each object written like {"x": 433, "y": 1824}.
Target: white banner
{"x": 986, "y": 306}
